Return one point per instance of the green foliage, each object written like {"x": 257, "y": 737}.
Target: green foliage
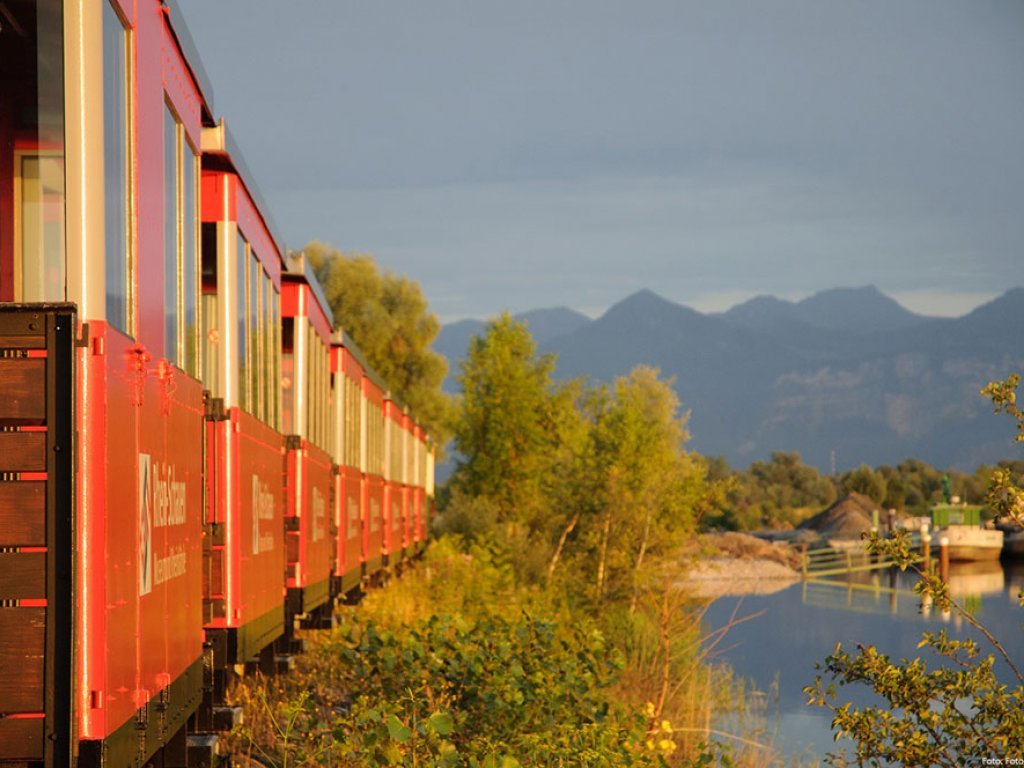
{"x": 499, "y": 688}
{"x": 646, "y": 488}
{"x": 953, "y": 715}
{"x": 492, "y": 678}
{"x": 778, "y": 493}
{"x": 594, "y": 478}
{"x": 388, "y": 318}
{"x": 783, "y": 491}
{"x": 511, "y": 422}
{"x": 865, "y": 481}
{"x": 1003, "y": 395}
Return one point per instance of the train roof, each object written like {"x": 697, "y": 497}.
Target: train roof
{"x": 192, "y": 58}
{"x": 219, "y": 141}
{"x": 298, "y": 268}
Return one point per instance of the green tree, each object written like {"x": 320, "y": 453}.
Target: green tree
{"x": 649, "y": 486}
{"x": 775, "y": 493}
{"x": 866, "y": 481}
{"x": 388, "y": 317}
{"x": 512, "y": 424}
{"x": 923, "y": 484}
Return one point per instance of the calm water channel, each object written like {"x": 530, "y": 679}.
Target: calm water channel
{"x": 802, "y": 623}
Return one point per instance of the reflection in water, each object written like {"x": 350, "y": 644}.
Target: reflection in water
{"x": 802, "y": 624}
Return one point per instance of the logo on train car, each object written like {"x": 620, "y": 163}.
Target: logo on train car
{"x": 145, "y": 528}
{"x": 374, "y": 515}
{"x": 352, "y": 521}
{"x": 319, "y": 515}
{"x": 162, "y": 503}
{"x": 396, "y": 514}
{"x": 262, "y": 509}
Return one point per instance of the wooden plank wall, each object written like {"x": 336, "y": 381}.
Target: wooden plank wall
{"x": 26, "y": 537}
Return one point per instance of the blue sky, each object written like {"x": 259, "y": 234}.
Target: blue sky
{"x": 536, "y": 154}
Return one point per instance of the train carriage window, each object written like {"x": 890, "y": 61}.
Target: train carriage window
{"x": 321, "y": 391}
{"x": 212, "y": 365}
{"x": 315, "y": 401}
{"x": 311, "y": 398}
{"x": 316, "y": 412}
{"x": 376, "y": 442}
{"x": 329, "y": 399}
{"x": 356, "y": 448}
{"x": 39, "y": 182}
{"x": 395, "y": 459}
{"x": 242, "y": 298}
{"x": 277, "y": 387}
{"x": 181, "y": 268}
{"x": 364, "y": 437}
{"x": 190, "y": 257}
{"x": 349, "y": 424}
{"x": 287, "y": 346}
{"x": 266, "y": 371}
{"x": 32, "y": 197}
{"x": 117, "y": 159}
{"x": 172, "y": 272}
{"x": 255, "y": 336}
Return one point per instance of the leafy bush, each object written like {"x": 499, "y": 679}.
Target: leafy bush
{"x": 448, "y": 692}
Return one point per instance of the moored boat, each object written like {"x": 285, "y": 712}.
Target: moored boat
{"x": 960, "y": 526}
{"x": 970, "y": 542}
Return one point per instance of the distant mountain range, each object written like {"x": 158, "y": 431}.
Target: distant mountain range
{"x": 846, "y": 372}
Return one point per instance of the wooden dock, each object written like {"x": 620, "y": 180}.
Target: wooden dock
{"x": 822, "y": 562}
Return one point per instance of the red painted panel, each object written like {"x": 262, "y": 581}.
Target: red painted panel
{"x": 217, "y": 196}
{"x": 180, "y": 87}
{"x": 420, "y": 523}
{"x": 257, "y": 234}
{"x": 373, "y": 505}
{"x": 299, "y": 300}
{"x": 373, "y": 393}
{"x": 353, "y": 368}
{"x": 318, "y": 317}
{"x": 349, "y": 520}
{"x": 91, "y": 568}
{"x": 139, "y": 538}
{"x": 409, "y": 430}
{"x": 291, "y": 298}
{"x": 170, "y": 490}
{"x": 418, "y": 491}
{"x": 408, "y": 522}
{"x": 310, "y": 483}
{"x": 249, "y": 499}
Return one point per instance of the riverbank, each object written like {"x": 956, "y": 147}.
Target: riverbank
{"x": 737, "y": 564}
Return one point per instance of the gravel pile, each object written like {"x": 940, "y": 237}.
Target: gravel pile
{"x": 848, "y": 518}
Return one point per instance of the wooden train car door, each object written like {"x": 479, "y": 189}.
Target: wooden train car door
{"x": 37, "y": 379}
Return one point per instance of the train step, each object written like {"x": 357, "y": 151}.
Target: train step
{"x": 203, "y": 749}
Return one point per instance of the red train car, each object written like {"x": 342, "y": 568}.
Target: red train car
{"x": 418, "y": 489}
{"x": 428, "y": 487}
{"x": 150, "y": 502}
{"x": 101, "y": 115}
{"x": 347, "y": 370}
{"x": 244, "y": 517}
{"x": 394, "y": 482}
{"x": 373, "y": 475}
{"x": 309, "y": 413}
{"x": 408, "y": 479}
